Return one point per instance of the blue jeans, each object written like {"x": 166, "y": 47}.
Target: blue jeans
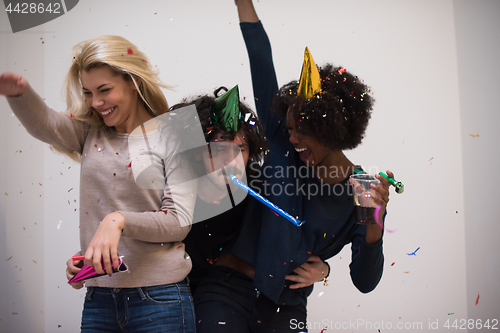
{"x": 165, "y": 308}
{"x": 227, "y": 302}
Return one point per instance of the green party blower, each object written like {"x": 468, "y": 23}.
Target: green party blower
{"x": 398, "y": 185}
{"x": 400, "y": 188}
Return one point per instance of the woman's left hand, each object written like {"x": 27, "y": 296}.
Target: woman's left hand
{"x": 312, "y": 271}
{"x": 374, "y": 231}
{"x": 105, "y": 244}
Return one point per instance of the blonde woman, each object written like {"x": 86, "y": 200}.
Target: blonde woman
{"x": 111, "y": 89}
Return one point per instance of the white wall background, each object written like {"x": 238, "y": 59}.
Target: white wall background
{"x": 433, "y": 68}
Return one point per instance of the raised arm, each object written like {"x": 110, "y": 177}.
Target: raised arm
{"x": 246, "y": 11}
{"x": 39, "y": 120}
{"x": 264, "y": 81}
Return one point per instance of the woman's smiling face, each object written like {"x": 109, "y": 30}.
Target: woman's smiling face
{"x": 110, "y": 95}
{"x": 311, "y": 151}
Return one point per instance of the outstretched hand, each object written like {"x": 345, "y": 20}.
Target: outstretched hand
{"x": 12, "y": 84}
{"x": 312, "y": 271}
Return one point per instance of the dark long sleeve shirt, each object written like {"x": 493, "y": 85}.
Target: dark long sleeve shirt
{"x": 273, "y": 245}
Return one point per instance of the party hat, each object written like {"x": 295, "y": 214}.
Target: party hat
{"x": 310, "y": 82}
{"x": 227, "y": 109}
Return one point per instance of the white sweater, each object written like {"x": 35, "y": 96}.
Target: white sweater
{"x": 155, "y": 223}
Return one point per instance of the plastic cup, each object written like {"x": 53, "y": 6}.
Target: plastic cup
{"x": 364, "y": 205}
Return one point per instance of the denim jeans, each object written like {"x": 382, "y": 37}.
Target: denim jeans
{"x": 227, "y": 302}
{"x": 164, "y": 308}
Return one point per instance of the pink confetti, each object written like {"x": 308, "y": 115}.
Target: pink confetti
{"x": 477, "y": 299}
{"x": 376, "y": 216}
{"x": 71, "y": 115}
{"x": 70, "y": 190}
{"x": 130, "y": 51}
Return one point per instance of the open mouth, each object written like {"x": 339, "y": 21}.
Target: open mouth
{"x": 304, "y": 153}
{"x": 107, "y": 112}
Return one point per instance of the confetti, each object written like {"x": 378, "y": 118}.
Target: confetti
{"x": 130, "y": 51}
{"x": 8, "y": 259}
{"x": 393, "y": 264}
{"x": 323, "y": 330}
{"x": 451, "y": 313}
{"x": 6, "y": 193}
{"x": 414, "y": 252}
{"x": 59, "y": 225}
{"x": 477, "y": 299}
{"x": 406, "y": 272}
{"x": 179, "y": 247}
{"x": 34, "y": 261}
{"x": 71, "y": 115}
{"x": 321, "y": 294}
{"x": 474, "y": 135}
{"x": 70, "y": 190}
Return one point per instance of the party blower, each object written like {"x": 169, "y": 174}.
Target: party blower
{"x": 88, "y": 272}
{"x": 266, "y": 202}
{"x": 399, "y": 187}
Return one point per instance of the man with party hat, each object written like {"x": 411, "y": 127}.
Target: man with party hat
{"x": 235, "y": 144}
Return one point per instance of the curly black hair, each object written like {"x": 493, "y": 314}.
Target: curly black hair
{"x": 337, "y": 116}
{"x": 253, "y": 132}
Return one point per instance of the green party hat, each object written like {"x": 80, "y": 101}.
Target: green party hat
{"x": 227, "y": 109}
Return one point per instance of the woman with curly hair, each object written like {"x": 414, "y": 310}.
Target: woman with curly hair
{"x": 262, "y": 284}
{"x": 111, "y": 89}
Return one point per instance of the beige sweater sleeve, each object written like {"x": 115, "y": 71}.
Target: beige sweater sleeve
{"x": 48, "y": 125}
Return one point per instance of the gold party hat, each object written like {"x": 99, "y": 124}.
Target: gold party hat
{"x": 310, "y": 82}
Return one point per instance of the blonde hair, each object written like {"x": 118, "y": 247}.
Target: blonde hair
{"x": 123, "y": 58}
